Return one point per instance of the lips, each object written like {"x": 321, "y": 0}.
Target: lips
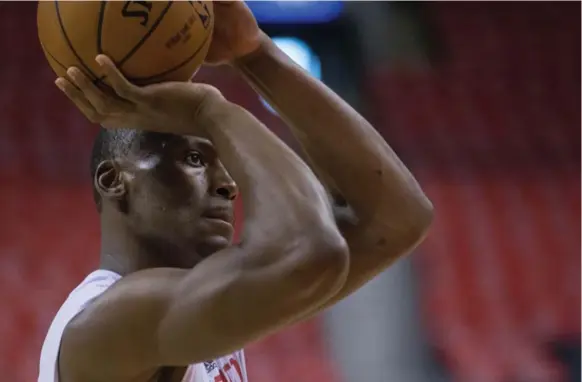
{"x": 224, "y": 214}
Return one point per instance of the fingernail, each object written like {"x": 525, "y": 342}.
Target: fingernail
{"x": 100, "y": 59}
{"x": 59, "y": 83}
{"x": 73, "y": 72}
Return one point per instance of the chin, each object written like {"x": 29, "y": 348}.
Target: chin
{"x": 213, "y": 244}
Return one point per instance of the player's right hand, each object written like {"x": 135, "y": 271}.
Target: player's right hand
{"x": 170, "y": 107}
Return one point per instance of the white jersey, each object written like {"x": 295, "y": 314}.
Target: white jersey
{"x": 230, "y": 368}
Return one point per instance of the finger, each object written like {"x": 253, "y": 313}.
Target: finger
{"x": 92, "y": 93}
{"x": 79, "y": 99}
{"x": 116, "y": 79}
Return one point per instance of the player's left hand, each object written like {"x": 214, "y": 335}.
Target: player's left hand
{"x": 167, "y": 107}
{"x": 236, "y": 32}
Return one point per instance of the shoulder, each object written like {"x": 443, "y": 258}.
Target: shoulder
{"x": 115, "y": 319}
{"x": 87, "y": 291}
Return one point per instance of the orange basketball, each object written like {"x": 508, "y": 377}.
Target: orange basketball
{"x": 150, "y": 41}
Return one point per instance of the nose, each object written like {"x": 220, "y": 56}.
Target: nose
{"x": 223, "y": 185}
{"x": 227, "y": 191}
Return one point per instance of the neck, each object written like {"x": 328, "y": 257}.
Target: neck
{"x": 123, "y": 251}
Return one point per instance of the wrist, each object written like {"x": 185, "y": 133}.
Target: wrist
{"x": 186, "y": 106}
{"x": 264, "y": 47}
{"x": 211, "y": 105}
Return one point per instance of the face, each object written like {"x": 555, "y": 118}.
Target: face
{"x": 178, "y": 193}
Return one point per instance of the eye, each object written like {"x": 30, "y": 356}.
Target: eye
{"x": 194, "y": 159}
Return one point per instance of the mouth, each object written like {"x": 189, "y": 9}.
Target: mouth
{"x": 223, "y": 214}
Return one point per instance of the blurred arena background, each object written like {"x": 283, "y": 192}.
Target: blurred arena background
{"x": 482, "y": 100}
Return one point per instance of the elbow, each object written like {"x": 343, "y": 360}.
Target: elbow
{"x": 400, "y": 233}
{"x": 417, "y": 224}
{"x": 327, "y": 259}
{"x": 310, "y": 261}
{"x": 421, "y": 217}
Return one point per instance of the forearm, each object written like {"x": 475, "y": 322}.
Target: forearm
{"x": 340, "y": 142}
{"x": 280, "y": 193}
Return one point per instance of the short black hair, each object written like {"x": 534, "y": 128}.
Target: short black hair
{"x": 110, "y": 144}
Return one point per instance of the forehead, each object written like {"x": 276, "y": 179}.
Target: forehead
{"x": 152, "y": 143}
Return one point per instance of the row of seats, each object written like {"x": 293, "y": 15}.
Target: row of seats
{"x": 493, "y": 133}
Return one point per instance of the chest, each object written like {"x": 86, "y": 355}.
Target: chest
{"x": 226, "y": 369}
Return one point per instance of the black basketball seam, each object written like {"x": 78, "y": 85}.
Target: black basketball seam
{"x": 100, "y": 26}
{"x": 190, "y": 58}
{"x": 146, "y": 36}
{"x": 99, "y": 32}
{"x": 96, "y": 81}
{"x": 69, "y": 41}
{"x": 52, "y": 57}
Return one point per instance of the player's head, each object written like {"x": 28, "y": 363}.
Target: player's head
{"x": 166, "y": 189}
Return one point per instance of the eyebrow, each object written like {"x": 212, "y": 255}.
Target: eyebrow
{"x": 154, "y": 139}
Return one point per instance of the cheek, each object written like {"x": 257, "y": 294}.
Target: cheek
{"x": 198, "y": 185}
{"x": 176, "y": 188}
{"x": 174, "y": 193}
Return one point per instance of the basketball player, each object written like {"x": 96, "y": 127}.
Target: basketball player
{"x": 174, "y": 299}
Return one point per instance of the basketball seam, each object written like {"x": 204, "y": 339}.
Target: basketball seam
{"x": 133, "y": 50}
{"x": 52, "y": 57}
{"x": 96, "y": 81}
{"x": 63, "y": 31}
{"x": 99, "y": 30}
{"x": 100, "y": 26}
{"x": 180, "y": 65}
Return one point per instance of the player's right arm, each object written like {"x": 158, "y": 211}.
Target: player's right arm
{"x": 291, "y": 257}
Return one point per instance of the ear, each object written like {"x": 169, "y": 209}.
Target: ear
{"x": 109, "y": 181}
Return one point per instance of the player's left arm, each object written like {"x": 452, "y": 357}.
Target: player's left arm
{"x": 386, "y": 213}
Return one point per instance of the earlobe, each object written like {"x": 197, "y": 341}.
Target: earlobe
{"x": 108, "y": 181}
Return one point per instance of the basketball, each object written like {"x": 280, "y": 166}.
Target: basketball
{"x": 150, "y": 41}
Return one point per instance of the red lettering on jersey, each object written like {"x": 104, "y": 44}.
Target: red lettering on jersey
{"x": 234, "y": 362}
{"x": 223, "y": 372}
{"x": 220, "y": 377}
